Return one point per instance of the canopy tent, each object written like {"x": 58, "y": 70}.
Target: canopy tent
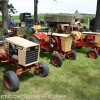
{"x": 77, "y": 15}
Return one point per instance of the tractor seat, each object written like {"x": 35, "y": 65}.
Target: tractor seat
{"x": 92, "y": 42}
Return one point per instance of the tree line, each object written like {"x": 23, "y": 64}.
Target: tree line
{"x": 5, "y": 8}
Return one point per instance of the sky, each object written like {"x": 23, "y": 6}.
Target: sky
{"x": 61, "y": 6}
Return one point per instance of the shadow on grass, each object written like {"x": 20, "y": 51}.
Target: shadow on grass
{"x": 23, "y": 77}
{"x": 4, "y": 67}
{"x": 81, "y": 86}
{"x": 83, "y": 50}
{"x": 46, "y": 55}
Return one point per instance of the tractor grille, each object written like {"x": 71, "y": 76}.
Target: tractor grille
{"x": 31, "y": 55}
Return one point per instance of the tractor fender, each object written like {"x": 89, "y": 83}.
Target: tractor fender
{"x": 40, "y": 35}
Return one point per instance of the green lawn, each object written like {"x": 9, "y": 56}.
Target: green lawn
{"x": 75, "y": 80}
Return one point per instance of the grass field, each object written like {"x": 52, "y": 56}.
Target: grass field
{"x": 75, "y": 80}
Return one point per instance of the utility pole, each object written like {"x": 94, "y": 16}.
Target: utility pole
{"x": 35, "y": 10}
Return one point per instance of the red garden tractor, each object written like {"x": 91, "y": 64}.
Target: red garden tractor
{"x": 88, "y": 39}
{"x": 23, "y": 53}
{"x": 60, "y": 43}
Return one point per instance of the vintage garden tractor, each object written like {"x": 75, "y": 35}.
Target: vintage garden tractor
{"x": 88, "y": 39}
{"x": 61, "y": 43}
{"x": 82, "y": 38}
{"x": 23, "y": 53}
{"x": 50, "y": 42}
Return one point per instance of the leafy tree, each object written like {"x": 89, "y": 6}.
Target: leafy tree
{"x": 5, "y": 9}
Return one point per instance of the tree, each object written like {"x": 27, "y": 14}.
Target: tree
{"x": 6, "y": 8}
{"x": 97, "y": 20}
{"x": 4, "y": 11}
{"x": 36, "y": 9}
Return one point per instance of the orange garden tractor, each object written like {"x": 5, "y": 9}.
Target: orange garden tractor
{"x": 83, "y": 38}
{"x": 60, "y": 43}
{"x": 88, "y": 39}
{"x": 23, "y": 53}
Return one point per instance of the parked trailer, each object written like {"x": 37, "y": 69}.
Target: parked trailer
{"x": 54, "y": 20}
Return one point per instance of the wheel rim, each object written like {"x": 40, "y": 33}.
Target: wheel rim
{"x": 70, "y": 55}
{"x": 92, "y": 54}
{"x": 55, "y": 61}
{"x": 39, "y": 70}
{"x": 7, "y": 82}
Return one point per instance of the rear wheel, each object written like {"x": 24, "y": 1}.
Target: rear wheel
{"x": 73, "y": 45}
{"x": 33, "y": 39}
{"x": 92, "y": 53}
{"x": 56, "y": 60}
{"x": 11, "y": 81}
{"x": 43, "y": 69}
{"x": 71, "y": 55}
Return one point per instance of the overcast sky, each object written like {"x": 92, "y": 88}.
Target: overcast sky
{"x": 61, "y": 6}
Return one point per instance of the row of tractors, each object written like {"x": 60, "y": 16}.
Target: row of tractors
{"x": 24, "y": 51}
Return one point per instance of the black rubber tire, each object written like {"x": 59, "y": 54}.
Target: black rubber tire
{"x": 33, "y": 39}
{"x": 11, "y": 49}
{"x": 94, "y": 53}
{"x": 12, "y": 79}
{"x": 74, "y": 55}
{"x": 58, "y": 60}
{"x": 43, "y": 67}
{"x": 73, "y": 45}
{"x": 6, "y": 33}
{"x": 1, "y": 37}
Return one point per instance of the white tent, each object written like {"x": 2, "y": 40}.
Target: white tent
{"x": 77, "y": 15}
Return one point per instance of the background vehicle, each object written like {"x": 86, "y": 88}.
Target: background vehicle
{"x": 54, "y": 20}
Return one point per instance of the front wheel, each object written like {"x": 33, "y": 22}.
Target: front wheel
{"x": 92, "y": 53}
{"x": 71, "y": 55}
{"x": 11, "y": 81}
{"x": 56, "y": 60}
{"x": 43, "y": 69}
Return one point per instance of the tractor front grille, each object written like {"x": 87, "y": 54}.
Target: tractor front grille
{"x": 31, "y": 55}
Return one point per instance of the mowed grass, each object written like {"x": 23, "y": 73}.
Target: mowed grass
{"x": 75, "y": 80}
